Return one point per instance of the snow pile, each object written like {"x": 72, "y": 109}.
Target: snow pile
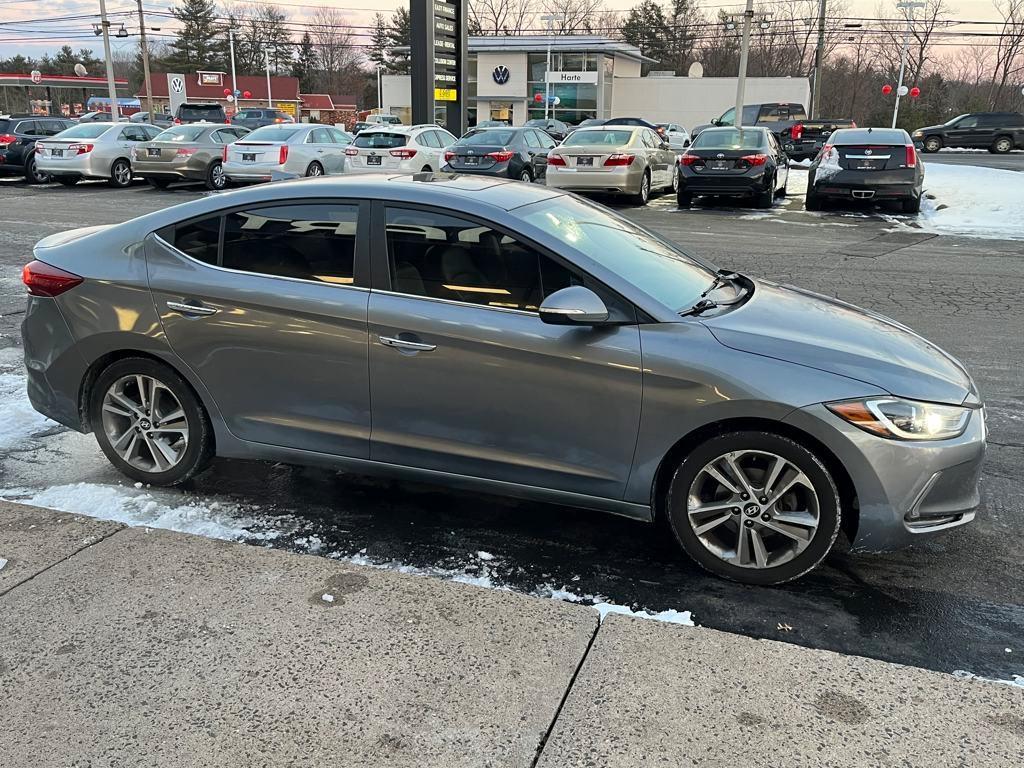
{"x": 19, "y": 421}
{"x": 135, "y": 507}
{"x": 982, "y": 202}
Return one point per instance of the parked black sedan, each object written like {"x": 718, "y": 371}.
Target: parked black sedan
{"x": 876, "y": 164}
{"x": 512, "y": 153}
{"x": 734, "y": 162}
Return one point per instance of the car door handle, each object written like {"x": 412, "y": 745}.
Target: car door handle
{"x": 412, "y": 346}
{"x": 191, "y": 309}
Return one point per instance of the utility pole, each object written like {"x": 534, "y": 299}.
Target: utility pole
{"x": 105, "y": 27}
{"x": 819, "y": 55}
{"x": 909, "y": 7}
{"x": 741, "y": 82}
{"x": 234, "y": 80}
{"x": 270, "y": 100}
{"x": 145, "y": 62}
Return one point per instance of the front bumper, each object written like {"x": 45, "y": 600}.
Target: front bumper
{"x": 905, "y": 489}
{"x": 731, "y": 183}
{"x": 617, "y": 181}
{"x": 85, "y": 166}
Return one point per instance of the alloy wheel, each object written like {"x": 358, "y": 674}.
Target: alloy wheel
{"x": 645, "y": 189}
{"x": 1003, "y": 145}
{"x": 315, "y": 170}
{"x": 122, "y": 173}
{"x": 35, "y": 175}
{"x": 753, "y": 509}
{"x": 145, "y": 423}
{"x": 217, "y": 178}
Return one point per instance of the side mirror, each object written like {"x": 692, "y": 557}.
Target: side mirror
{"x": 715, "y": 121}
{"x": 574, "y": 305}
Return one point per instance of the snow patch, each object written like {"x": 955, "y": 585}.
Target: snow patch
{"x": 976, "y": 201}
{"x": 1016, "y": 680}
{"x": 604, "y": 607}
{"x": 2, "y": 563}
{"x": 19, "y": 421}
{"x": 484, "y": 555}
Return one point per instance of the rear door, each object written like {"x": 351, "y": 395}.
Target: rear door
{"x": 267, "y": 306}
{"x": 328, "y": 154}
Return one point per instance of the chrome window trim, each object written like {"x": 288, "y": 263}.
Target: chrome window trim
{"x": 300, "y": 280}
{"x": 458, "y": 303}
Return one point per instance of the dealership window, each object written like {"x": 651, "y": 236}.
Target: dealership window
{"x": 577, "y": 101}
{"x": 435, "y": 255}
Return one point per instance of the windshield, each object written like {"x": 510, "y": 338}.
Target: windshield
{"x": 380, "y": 140}
{"x": 487, "y": 137}
{"x": 658, "y": 269}
{"x": 729, "y": 138}
{"x": 272, "y": 133}
{"x": 180, "y": 133}
{"x": 958, "y": 117}
{"x": 87, "y": 131}
{"x": 612, "y": 138}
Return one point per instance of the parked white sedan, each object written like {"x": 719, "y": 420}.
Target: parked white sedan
{"x": 676, "y": 135}
{"x": 398, "y": 149}
{"x": 293, "y": 149}
{"x": 97, "y": 150}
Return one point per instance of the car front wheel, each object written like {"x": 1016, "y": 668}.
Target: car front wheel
{"x": 641, "y": 197}
{"x": 1002, "y": 145}
{"x": 932, "y": 144}
{"x": 754, "y": 507}
{"x": 149, "y": 422}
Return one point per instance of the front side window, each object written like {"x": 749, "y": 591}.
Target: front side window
{"x": 314, "y": 242}
{"x": 968, "y": 122}
{"x": 438, "y": 256}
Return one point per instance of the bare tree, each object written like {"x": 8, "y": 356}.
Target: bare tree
{"x": 502, "y": 17}
{"x": 340, "y": 60}
{"x": 1009, "y": 52}
{"x": 889, "y": 44}
{"x": 577, "y": 16}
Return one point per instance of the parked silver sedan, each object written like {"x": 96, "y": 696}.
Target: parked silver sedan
{"x": 298, "y": 150}
{"x": 615, "y": 159}
{"x": 193, "y": 152}
{"x": 93, "y": 151}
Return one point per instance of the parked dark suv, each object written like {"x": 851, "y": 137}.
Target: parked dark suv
{"x": 997, "y": 132}
{"x": 18, "y": 136}
{"x": 257, "y": 118}
{"x": 199, "y": 113}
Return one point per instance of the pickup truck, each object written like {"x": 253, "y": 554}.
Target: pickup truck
{"x": 800, "y": 138}
{"x": 998, "y": 132}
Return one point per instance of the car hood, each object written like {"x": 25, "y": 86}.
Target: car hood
{"x": 809, "y": 329}
{"x": 929, "y": 128}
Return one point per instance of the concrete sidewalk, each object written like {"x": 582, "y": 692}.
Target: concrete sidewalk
{"x": 134, "y": 647}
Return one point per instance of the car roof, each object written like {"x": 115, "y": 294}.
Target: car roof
{"x": 616, "y": 127}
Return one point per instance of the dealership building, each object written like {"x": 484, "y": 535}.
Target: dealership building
{"x": 591, "y": 76}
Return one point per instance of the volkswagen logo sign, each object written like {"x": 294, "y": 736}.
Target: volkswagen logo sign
{"x": 867, "y": 151}
{"x": 501, "y": 74}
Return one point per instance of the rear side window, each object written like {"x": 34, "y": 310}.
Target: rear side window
{"x": 380, "y": 140}
{"x": 308, "y": 242}
{"x": 199, "y": 239}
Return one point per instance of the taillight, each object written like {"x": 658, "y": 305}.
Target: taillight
{"x": 448, "y": 155}
{"x": 689, "y": 159}
{"x": 796, "y": 132}
{"x": 351, "y": 151}
{"x": 42, "y": 279}
{"x": 177, "y": 121}
{"x": 405, "y": 153}
{"x": 224, "y": 154}
{"x": 853, "y": 123}
{"x": 911, "y": 156}
{"x": 6, "y": 139}
{"x": 618, "y": 159}
{"x": 753, "y": 160}
{"x": 282, "y": 154}
{"x": 80, "y": 149}
{"x": 186, "y": 152}
{"x": 502, "y": 156}
{"x": 556, "y": 160}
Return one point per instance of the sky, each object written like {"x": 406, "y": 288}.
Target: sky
{"x": 20, "y": 30}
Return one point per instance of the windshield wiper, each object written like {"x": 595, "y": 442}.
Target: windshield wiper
{"x": 704, "y": 304}
{"x": 722, "y": 278}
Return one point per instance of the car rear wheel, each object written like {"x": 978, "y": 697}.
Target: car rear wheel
{"x": 764, "y": 199}
{"x": 641, "y": 197}
{"x": 32, "y": 173}
{"x": 215, "y": 178}
{"x": 684, "y": 199}
{"x": 932, "y": 144}
{"x": 149, "y": 423}
{"x": 1002, "y": 145}
{"x": 674, "y": 186}
{"x": 315, "y": 169}
{"x": 120, "y": 173}
{"x": 67, "y": 181}
{"x": 911, "y": 205}
{"x": 158, "y": 183}
{"x": 754, "y": 507}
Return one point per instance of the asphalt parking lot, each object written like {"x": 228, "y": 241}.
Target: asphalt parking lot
{"x": 954, "y": 603}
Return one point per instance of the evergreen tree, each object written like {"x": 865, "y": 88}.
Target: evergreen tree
{"x": 645, "y": 27}
{"x": 680, "y": 42}
{"x": 304, "y": 66}
{"x": 400, "y": 34}
{"x": 197, "y": 45}
{"x": 380, "y": 42}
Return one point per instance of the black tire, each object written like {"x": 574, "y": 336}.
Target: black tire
{"x": 526, "y": 176}
{"x": 118, "y": 178}
{"x": 32, "y": 173}
{"x": 812, "y": 202}
{"x": 158, "y": 183}
{"x": 215, "y": 178}
{"x": 829, "y": 510}
{"x": 932, "y": 144}
{"x": 764, "y": 199}
{"x": 67, "y": 181}
{"x": 641, "y": 197}
{"x": 1002, "y": 145}
{"x": 314, "y": 170}
{"x": 673, "y": 188}
{"x": 684, "y": 199}
{"x": 911, "y": 205}
{"x": 199, "y": 451}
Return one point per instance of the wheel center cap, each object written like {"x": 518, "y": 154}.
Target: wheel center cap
{"x": 145, "y": 424}
{"x": 752, "y": 510}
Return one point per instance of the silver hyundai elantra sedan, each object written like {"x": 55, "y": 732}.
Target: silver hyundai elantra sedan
{"x": 507, "y": 338}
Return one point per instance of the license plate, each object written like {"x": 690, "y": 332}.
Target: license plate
{"x": 720, "y": 165}
{"x": 153, "y": 152}
{"x": 56, "y": 153}
{"x": 373, "y": 160}
{"x": 585, "y": 161}
{"x": 248, "y": 157}
{"x": 472, "y": 161}
{"x": 868, "y": 166}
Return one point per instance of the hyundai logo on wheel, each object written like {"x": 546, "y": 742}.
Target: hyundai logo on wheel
{"x": 501, "y": 74}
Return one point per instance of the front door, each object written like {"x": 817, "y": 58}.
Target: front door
{"x": 271, "y": 317}
{"x": 466, "y": 378}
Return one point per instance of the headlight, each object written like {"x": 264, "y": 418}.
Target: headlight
{"x": 918, "y": 134}
{"x": 903, "y": 419}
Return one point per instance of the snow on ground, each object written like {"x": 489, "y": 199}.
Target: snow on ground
{"x": 18, "y": 420}
{"x": 963, "y": 674}
{"x": 971, "y": 200}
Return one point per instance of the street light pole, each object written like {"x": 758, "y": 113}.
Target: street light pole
{"x": 909, "y": 7}
{"x": 105, "y": 27}
{"x": 270, "y": 101}
{"x": 741, "y": 82}
{"x": 819, "y": 55}
{"x": 234, "y": 80}
{"x": 549, "y": 18}
{"x": 145, "y": 62}
{"x": 380, "y": 96}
